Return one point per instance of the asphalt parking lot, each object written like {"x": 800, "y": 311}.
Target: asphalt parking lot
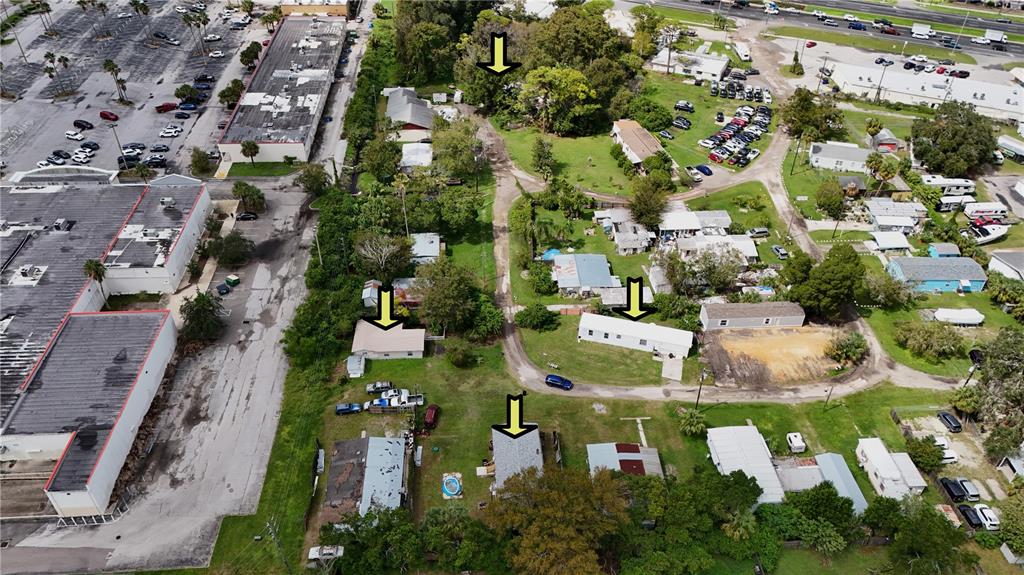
{"x": 152, "y": 69}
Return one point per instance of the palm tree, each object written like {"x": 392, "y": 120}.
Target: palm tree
{"x": 51, "y": 70}
{"x": 114, "y": 70}
{"x": 96, "y": 271}
{"x": 64, "y": 62}
{"x": 142, "y": 9}
{"x": 143, "y": 171}
{"x": 873, "y": 127}
{"x": 886, "y": 172}
{"x": 741, "y": 525}
{"x": 102, "y": 8}
{"x": 250, "y": 149}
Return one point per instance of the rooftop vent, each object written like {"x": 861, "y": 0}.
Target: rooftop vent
{"x": 167, "y": 202}
{"x": 29, "y": 271}
{"x": 150, "y": 233}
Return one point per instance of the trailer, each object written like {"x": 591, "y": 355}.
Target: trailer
{"x": 742, "y": 51}
{"x": 953, "y": 203}
{"x": 1011, "y": 146}
{"x": 993, "y": 210}
{"x": 996, "y": 36}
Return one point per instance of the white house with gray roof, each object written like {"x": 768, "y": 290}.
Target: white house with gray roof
{"x": 411, "y": 114}
{"x": 839, "y": 157}
{"x": 956, "y": 274}
{"x": 1009, "y": 263}
{"x": 714, "y": 316}
{"x": 649, "y": 337}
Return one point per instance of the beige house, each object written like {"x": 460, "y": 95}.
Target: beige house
{"x": 395, "y": 343}
{"x": 637, "y": 143}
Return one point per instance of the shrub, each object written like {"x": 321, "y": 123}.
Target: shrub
{"x": 540, "y": 279}
{"x": 459, "y": 352}
{"x": 925, "y": 453}
{"x": 931, "y": 340}
{"x": 537, "y": 317}
{"x": 847, "y": 348}
{"x": 987, "y": 540}
{"x": 692, "y": 423}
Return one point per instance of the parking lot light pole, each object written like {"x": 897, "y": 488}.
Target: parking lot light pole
{"x": 878, "y": 92}
{"x": 116, "y": 140}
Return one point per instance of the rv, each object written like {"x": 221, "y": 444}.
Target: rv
{"x": 993, "y": 210}
{"x": 1012, "y": 147}
{"x": 953, "y": 203}
{"x": 742, "y": 51}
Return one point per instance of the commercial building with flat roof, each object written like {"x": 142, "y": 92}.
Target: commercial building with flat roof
{"x": 281, "y": 107}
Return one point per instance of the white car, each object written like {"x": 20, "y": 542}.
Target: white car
{"x": 216, "y": 54}
{"x": 851, "y": 18}
{"x": 211, "y": 38}
{"x": 152, "y": 157}
{"x": 753, "y": 154}
{"x": 173, "y": 41}
{"x": 181, "y": 10}
{"x": 694, "y": 174}
{"x": 988, "y": 517}
{"x": 80, "y": 159}
{"x": 929, "y": 68}
{"x": 131, "y": 152}
{"x": 919, "y": 36}
{"x": 170, "y": 133}
{"x": 83, "y": 152}
{"x": 706, "y": 144}
{"x": 981, "y": 40}
{"x": 73, "y": 135}
{"x": 767, "y": 97}
{"x": 817, "y": 14}
{"x": 919, "y": 58}
{"x": 123, "y": 15}
{"x": 43, "y": 164}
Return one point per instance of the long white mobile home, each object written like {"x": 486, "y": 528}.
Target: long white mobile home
{"x": 634, "y": 335}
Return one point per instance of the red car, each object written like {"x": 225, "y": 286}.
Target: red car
{"x": 166, "y": 107}
{"x": 266, "y": 42}
{"x": 715, "y": 158}
{"x": 891, "y": 31}
{"x": 108, "y": 116}
{"x": 811, "y": 43}
{"x": 940, "y": 70}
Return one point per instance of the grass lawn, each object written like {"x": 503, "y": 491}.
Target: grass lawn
{"x": 271, "y": 169}
{"x": 1012, "y": 65}
{"x": 802, "y": 181}
{"x": 667, "y": 90}
{"x": 856, "y": 125}
{"x": 881, "y": 322}
{"x": 690, "y": 16}
{"x": 841, "y": 236}
{"x": 727, "y": 200}
{"x": 936, "y": 7}
{"x": 475, "y": 247}
{"x": 554, "y": 231}
{"x": 908, "y": 22}
{"x": 584, "y": 160}
{"x": 594, "y": 362}
{"x": 133, "y": 301}
{"x": 868, "y": 43}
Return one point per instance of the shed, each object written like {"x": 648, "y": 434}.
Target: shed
{"x": 943, "y": 250}
{"x": 961, "y": 316}
{"x": 742, "y": 448}
{"x": 616, "y": 297}
{"x": 891, "y": 241}
{"x": 355, "y": 365}
{"x": 629, "y": 458}
{"x": 884, "y": 141}
{"x": 426, "y": 247}
{"x": 647, "y": 337}
{"x": 751, "y": 315}
{"x": 512, "y": 455}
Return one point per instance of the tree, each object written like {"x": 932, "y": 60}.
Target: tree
{"x": 96, "y": 271}
{"x": 455, "y": 148}
{"x": 1012, "y": 524}
{"x": 250, "y": 149}
{"x": 543, "y": 159}
{"x": 822, "y": 537}
{"x": 143, "y": 172}
{"x": 232, "y": 250}
{"x": 558, "y": 100}
{"x": 1005, "y": 439}
{"x": 647, "y": 203}
{"x": 967, "y": 399}
{"x": 806, "y": 113}
{"x": 459, "y": 541}
{"x": 883, "y": 515}
{"x": 955, "y": 142}
{"x": 381, "y": 540}
{"x": 521, "y": 223}
{"x": 1001, "y": 382}
{"x": 489, "y": 320}
{"x": 925, "y": 453}
{"x": 449, "y": 295}
{"x": 250, "y": 54}
{"x": 926, "y": 543}
{"x": 874, "y": 126}
{"x": 250, "y": 196}
{"x": 540, "y": 279}
{"x": 932, "y": 340}
{"x": 459, "y": 353}
{"x": 831, "y": 199}
{"x": 823, "y": 502}
{"x": 459, "y": 208}
{"x": 649, "y": 114}
{"x": 573, "y": 37}
{"x": 313, "y": 179}
{"x": 231, "y": 94}
{"x": 248, "y": 6}
{"x": 647, "y": 25}
{"x": 380, "y": 158}
{"x": 692, "y": 423}
{"x": 382, "y": 256}
{"x": 201, "y": 316}
{"x": 888, "y": 292}
{"x": 797, "y": 268}
{"x": 115, "y": 71}
{"x": 426, "y": 53}
{"x": 582, "y": 509}
{"x": 537, "y": 317}
{"x": 847, "y": 348}
{"x": 200, "y": 163}
{"x": 796, "y": 68}
{"x": 831, "y": 284}
{"x": 717, "y": 267}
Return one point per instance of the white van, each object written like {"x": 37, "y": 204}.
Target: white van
{"x": 953, "y": 203}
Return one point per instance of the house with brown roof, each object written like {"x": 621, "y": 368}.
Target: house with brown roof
{"x": 751, "y": 315}
{"x": 629, "y": 458}
{"x": 637, "y": 143}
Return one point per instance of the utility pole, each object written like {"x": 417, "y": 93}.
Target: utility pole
{"x": 273, "y": 535}
{"x": 700, "y": 387}
{"x": 118, "y": 141}
{"x": 878, "y": 92}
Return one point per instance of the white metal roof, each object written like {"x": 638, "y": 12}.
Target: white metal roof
{"x": 891, "y": 240}
{"x": 911, "y": 476}
{"x": 679, "y": 220}
{"x": 937, "y": 180}
{"x": 901, "y": 221}
{"x": 629, "y": 328}
{"x": 874, "y": 450}
{"x": 963, "y": 316}
{"x": 741, "y": 448}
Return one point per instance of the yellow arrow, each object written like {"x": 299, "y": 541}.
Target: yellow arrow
{"x": 634, "y": 309}
{"x": 514, "y": 426}
{"x": 385, "y": 318}
{"x": 499, "y": 63}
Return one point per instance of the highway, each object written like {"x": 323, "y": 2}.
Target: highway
{"x": 883, "y": 10}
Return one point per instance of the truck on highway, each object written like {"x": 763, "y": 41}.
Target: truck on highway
{"x": 921, "y": 31}
{"x": 996, "y": 36}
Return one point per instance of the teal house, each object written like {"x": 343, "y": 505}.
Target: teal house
{"x": 938, "y": 275}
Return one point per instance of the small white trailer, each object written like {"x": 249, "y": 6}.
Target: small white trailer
{"x": 996, "y": 35}
{"x": 742, "y": 51}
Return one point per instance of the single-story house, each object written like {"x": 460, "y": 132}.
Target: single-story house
{"x": 957, "y": 274}
{"x": 607, "y": 219}
{"x": 891, "y": 242}
{"x": 677, "y": 221}
{"x": 885, "y": 142}
{"x": 944, "y": 250}
{"x": 900, "y": 224}
{"x": 631, "y": 238}
{"x": 949, "y": 186}
{"x": 888, "y": 476}
{"x": 959, "y": 316}
{"x": 751, "y": 315}
{"x": 416, "y": 155}
{"x": 426, "y": 247}
{"x": 365, "y": 472}
{"x": 407, "y": 110}
{"x": 515, "y": 454}
{"x": 742, "y": 448}
{"x": 637, "y": 143}
{"x": 913, "y": 478}
{"x": 649, "y": 337}
{"x": 1009, "y": 263}
{"x": 887, "y": 207}
{"x": 616, "y": 296}
{"x": 580, "y": 274}
{"x": 629, "y": 458}
{"x": 852, "y": 184}
{"x": 395, "y": 343}
{"x": 691, "y": 246}
{"x": 714, "y": 219}
{"x": 839, "y": 157}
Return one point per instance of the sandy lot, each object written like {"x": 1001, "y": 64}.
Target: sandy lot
{"x": 767, "y": 356}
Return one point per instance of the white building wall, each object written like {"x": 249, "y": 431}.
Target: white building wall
{"x": 74, "y": 503}
{"x": 42, "y": 446}
{"x": 119, "y": 443}
{"x": 393, "y": 354}
{"x": 995, "y": 265}
{"x": 269, "y": 152}
{"x": 91, "y": 298}
{"x": 630, "y": 342}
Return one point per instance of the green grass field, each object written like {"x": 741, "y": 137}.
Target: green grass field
{"x": 975, "y": 12}
{"x": 802, "y": 180}
{"x": 856, "y": 125}
{"x": 868, "y": 43}
{"x": 586, "y": 160}
{"x": 951, "y": 29}
{"x": 246, "y": 169}
{"x": 881, "y": 322}
{"x": 690, "y": 16}
{"x": 475, "y": 247}
{"x": 748, "y": 218}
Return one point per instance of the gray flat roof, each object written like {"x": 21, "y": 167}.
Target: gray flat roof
{"x": 835, "y": 470}
{"x": 152, "y": 230}
{"x": 839, "y": 151}
{"x": 345, "y": 478}
{"x": 924, "y": 269}
{"x": 83, "y": 382}
{"x": 1012, "y": 258}
{"x": 288, "y": 92}
{"x": 385, "y": 470}
{"x": 583, "y": 270}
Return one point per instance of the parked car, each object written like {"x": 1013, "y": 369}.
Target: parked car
{"x": 55, "y": 160}
{"x": 189, "y": 106}
{"x": 73, "y": 135}
{"x": 666, "y": 134}
{"x": 953, "y": 489}
{"x": 160, "y": 148}
{"x": 166, "y": 107}
{"x": 347, "y": 408}
{"x": 757, "y": 233}
{"x": 969, "y": 488}
{"x": 558, "y": 381}
{"x": 976, "y": 356}
{"x": 379, "y": 387}
{"x": 970, "y": 516}
{"x": 431, "y": 416}
{"x": 704, "y": 169}
{"x": 61, "y": 154}
{"x": 694, "y": 174}
{"x": 109, "y": 116}
{"x": 950, "y": 421}
{"x": 90, "y": 145}
{"x": 684, "y": 106}
{"x": 811, "y": 44}
{"x": 202, "y": 86}
{"x": 217, "y": 54}
{"x": 988, "y": 517}
{"x": 223, "y": 289}
{"x": 780, "y": 252}
{"x": 135, "y": 146}
{"x": 205, "y": 78}
{"x": 182, "y": 115}
{"x": 211, "y": 38}
{"x": 82, "y": 151}
{"x": 247, "y": 217}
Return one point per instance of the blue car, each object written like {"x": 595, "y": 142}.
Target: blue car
{"x": 702, "y": 168}
{"x": 188, "y": 106}
{"x": 347, "y": 408}
{"x": 202, "y": 86}
{"x": 558, "y": 381}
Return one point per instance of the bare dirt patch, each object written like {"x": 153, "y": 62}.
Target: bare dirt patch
{"x": 968, "y": 446}
{"x": 769, "y": 356}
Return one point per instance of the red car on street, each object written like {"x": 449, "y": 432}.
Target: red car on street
{"x": 108, "y": 116}
{"x": 811, "y": 43}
